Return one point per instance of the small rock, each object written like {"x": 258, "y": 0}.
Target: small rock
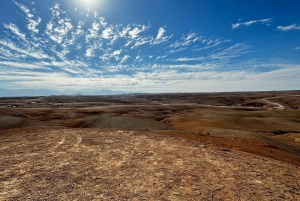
{"x": 224, "y": 149}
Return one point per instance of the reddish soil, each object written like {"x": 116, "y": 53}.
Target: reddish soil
{"x": 219, "y": 146}
{"x": 93, "y": 164}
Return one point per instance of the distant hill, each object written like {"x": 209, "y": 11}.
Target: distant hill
{"x": 48, "y": 92}
{"x": 102, "y": 92}
{"x": 27, "y": 92}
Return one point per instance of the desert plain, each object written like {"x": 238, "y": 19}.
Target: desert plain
{"x": 185, "y": 146}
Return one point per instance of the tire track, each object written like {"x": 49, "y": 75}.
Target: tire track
{"x": 62, "y": 141}
{"x": 76, "y": 147}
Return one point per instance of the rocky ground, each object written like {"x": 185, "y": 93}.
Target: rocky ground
{"x": 96, "y": 164}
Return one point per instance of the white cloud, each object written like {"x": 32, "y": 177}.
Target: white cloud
{"x": 60, "y": 34}
{"x": 15, "y": 30}
{"x": 105, "y": 57}
{"x": 211, "y": 44}
{"x": 262, "y": 21}
{"x": 137, "y": 30}
{"x": 160, "y": 34}
{"x": 296, "y": 48}
{"x": 138, "y": 58}
{"x": 96, "y": 26}
{"x": 27, "y": 52}
{"x": 190, "y": 59}
{"x": 111, "y": 34}
{"x": 106, "y": 33}
{"x": 160, "y": 38}
{"x": 93, "y": 32}
{"x": 22, "y": 65}
{"x": 23, "y": 8}
{"x": 32, "y": 25}
{"x": 288, "y": 28}
{"x": 124, "y": 31}
{"x": 71, "y": 67}
{"x": 125, "y": 58}
{"x": 141, "y": 41}
{"x": 77, "y": 33}
{"x": 2, "y": 57}
{"x": 89, "y": 52}
{"x": 62, "y": 50}
{"x": 117, "y": 52}
{"x": 285, "y": 78}
{"x": 61, "y": 54}
{"x": 190, "y": 36}
{"x": 234, "y": 51}
{"x": 8, "y": 55}
{"x": 177, "y": 50}
{"x": 58, "y": 28}
{"x": 160, "y": 57}
{"x": 186, "y": 40}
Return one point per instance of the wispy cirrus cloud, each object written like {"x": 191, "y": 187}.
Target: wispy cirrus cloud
{"x": 211, "y": 44}
{"x": 160, "y": 33}
{"x": 33, "y": 24}
{"x": 68, "y": 51}
{"x": 164, "y": 80}
{"x": 7, "y": 54}
{"x": 66, "y": 48}
{"x": 262, "y": 21}
{"x": 58, "y": 28}
{"x": 138, "y": 59}
{"x": 14, "y": 29}
{"x": 22, "y": 65}
{"x": 28, "y": 52}
{"x": 288, "y": 28}
{"x": 125, "y": 58}
{"x": 134, "y": 33}
{"x": 93, "y": 31}
{"x": 186, "y": 40}
{"x": 73, "y": 49}
{"x": 161, "y": 38}
{"x": 190, "y": 59}
{"x": 33, "y": 21}
{"x": 89, "y": 52}
{"x": 234, "y": 51}
{"x": 177, "y": 50}
{"x": 195, "y": 42}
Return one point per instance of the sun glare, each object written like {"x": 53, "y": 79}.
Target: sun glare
{"x": 86, "y": 2}
{"x": 90, "y": 2}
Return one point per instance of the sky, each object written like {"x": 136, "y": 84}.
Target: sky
{"x": 151, "y": 46}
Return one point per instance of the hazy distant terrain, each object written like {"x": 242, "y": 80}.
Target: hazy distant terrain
{"x": 211, "y": 146}
{"x": 47, "y": 92}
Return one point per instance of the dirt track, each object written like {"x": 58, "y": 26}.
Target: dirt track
{"x": 92, "y": 164}
{"x": 278, "y": 106}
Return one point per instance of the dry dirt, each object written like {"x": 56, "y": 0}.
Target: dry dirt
{"x": 90, "y": 164}
{"x": 220, "y": 146}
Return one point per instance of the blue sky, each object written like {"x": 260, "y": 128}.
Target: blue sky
{"x": 150, "y": 46}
